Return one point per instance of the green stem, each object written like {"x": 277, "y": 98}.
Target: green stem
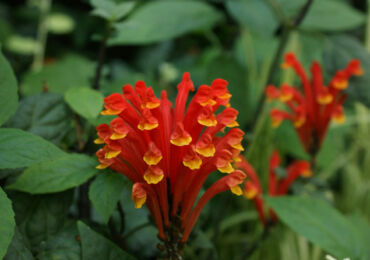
{"x": 101, "y": 57}
{"x": 367, "y": 32}
{"x": 42, "y": 33}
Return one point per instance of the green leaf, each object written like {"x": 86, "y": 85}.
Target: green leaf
{"x": 7, "y": 223}
{"x": 84, "y": 101}
{"x": 319, "y": 222}
{"x": 256, "y": 15}
{"x": 39, "y": 217}
{"x": 19, "y": 248}
{"x": 338, "y": 51}
{"x": 69, "y": 72}
{"x": 57, "y": 174}
{"x": 21, "y": 149}
{"x": 332, "y": 15}
{"x": 105, "y": 191}
{"x": 174, "y": 18}
{"x": 43, "y": 114}
{"x": 110, "y": 10}
{"x": 363, "y": 234}
{"x": 63, "y": 245}
{"x": 95, "y": 246}
{"x": 8, "y": 90}
{"x": 287, "y": 141}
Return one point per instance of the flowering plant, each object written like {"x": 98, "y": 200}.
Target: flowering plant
{"x": 168, "y": 152}
{"x": 313, "y": 107}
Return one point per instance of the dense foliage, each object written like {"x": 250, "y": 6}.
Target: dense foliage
{"x": 60, "y": 59}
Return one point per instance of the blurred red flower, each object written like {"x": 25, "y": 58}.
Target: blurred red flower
{"x": 315, "y": 105}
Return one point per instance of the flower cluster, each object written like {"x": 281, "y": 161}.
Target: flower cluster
{"x": 277, "y": 186}
{"x": 168, "y": 152}
{"x": 312, "y": 109}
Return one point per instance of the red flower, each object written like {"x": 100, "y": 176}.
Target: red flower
{"x": 168, "y": 152}
{"x": 276, "y": 186}
{"x": 313, "y": 107}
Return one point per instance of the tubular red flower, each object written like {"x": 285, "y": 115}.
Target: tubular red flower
{"x": 168, "y": 152}
{"x": 312, "y": 108}
{"x": 276, "y": 186}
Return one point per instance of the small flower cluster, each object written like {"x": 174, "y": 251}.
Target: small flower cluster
{"x": 276, "y": 186}
{"x": 168, "y": 152}
{"x": 312, "y": 109}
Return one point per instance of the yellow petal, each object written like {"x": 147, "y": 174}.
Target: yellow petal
{"x": 193, "y": 164}
{"x": 109, "y": 112}
{"x": 102, "y": 166}
{"x": 112, "y": 154}
{"x": 228, "y": 168}
{"x": 152, "y": 178}
{"x": 98, "y": 141}
{"x": 139, "y": 202}
{"x": 208, "y": 151}
{"x": 116, "y": 136}
{"x": 181, "y": 141}
{"x": 236, "y": 190}
{"x": 147, "y": 126}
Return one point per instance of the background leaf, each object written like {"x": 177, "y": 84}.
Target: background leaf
{"x": 110, "y": 10}
{"x": 173, "y": 17}
{"x": 64, "y": 245}
{"x": 7, "y": 223}
{"x": 70, "y": 71}
{"x": 57, "y": 174}
{"x": 84, "y": 101}
{"x": 332, "y": 15}
{"x": 105, "y": 191}
{"x": 43, "y": 114}
{"x": 21, "y": 149}
{"x": 8, "y": 90}
{"x": 95, "y": 246}
{"x": 19, "y": 248}
{"x": 318, "y": 222}
{"x": 38, "y": 217}
{"x": 254, "y": 14}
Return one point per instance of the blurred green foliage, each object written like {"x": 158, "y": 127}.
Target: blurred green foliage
{"x": 52, "y": 51}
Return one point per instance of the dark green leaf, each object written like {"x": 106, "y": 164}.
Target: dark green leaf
{"x": 7, "y": 223}
{"x": 57, "y": 174}
{"x": 19, "y": 248}
{"x": 21, "y": 149}
{"x": 105, "y": 191}
{"x": 95, "y": 246}
{"x": 8, "y": 90}
{"x": 72, "y": 71}
{"x": 318, "y": 222}
{"x": 332, "y": 15}
{"x": 38, "y": 217}
{"x": 43, "y": 114}
{"x": 256, "y": 15}
{"x": 84, "y": 101}
{"x": 110, "y": 10}
{"x": 174, "y": 18}
{"x": 63, "y": 245}
{"x": 339, "y": 50}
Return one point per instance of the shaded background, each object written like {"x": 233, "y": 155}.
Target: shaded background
{"x": 54, "y": 48}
